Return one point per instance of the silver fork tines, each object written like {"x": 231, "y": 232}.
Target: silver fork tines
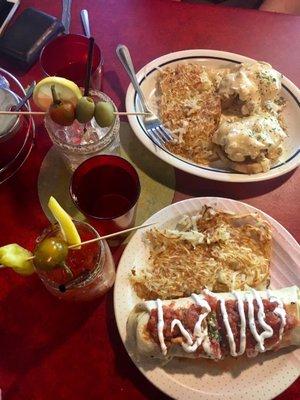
{"x": 155, "y": 129}
{"x": 160, "y": 134}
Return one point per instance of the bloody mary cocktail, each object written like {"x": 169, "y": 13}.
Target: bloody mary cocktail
{"x": 87, "y": 272}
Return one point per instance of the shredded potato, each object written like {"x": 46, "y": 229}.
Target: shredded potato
{"x": 190, "y": 109}
{"x": 220, "y": 251}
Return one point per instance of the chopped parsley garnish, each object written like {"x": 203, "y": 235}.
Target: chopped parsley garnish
{"x": 213, "y": 331}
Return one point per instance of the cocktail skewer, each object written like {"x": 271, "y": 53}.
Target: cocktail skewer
{"x": 22, "y": 113}
{"x": 131, "y": 113}
{"x": 104, "y": 237}
{"x": 44, "y": 113}
{"x": 109, "y": 236}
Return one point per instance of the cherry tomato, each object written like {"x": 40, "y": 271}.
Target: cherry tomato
{"x": 61, "y": 112}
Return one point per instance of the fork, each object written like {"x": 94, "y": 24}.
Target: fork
{"x": 154, "y": 128}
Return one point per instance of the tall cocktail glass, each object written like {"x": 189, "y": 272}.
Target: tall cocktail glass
{"x": 89, "y": 271}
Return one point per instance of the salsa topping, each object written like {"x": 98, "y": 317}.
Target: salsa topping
{"x": 215, "y": 327}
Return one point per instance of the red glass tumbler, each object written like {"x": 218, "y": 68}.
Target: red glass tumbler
{"x": 66, "y": 56}
{"x": 106, "y": 189}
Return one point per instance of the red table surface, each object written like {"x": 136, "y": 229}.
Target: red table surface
{"x": 53, "y": 350}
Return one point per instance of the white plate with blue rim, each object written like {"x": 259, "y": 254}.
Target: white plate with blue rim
{"x": 261, "y": 378}
{"x": 147, "y": 77}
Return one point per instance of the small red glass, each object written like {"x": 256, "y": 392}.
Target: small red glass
{"x": 106, "y": 189}
{"x": 66, "y": 56}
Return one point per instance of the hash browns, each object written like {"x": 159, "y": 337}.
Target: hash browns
{"x": 231, "y": 252}
{"x": 191, "y": 110}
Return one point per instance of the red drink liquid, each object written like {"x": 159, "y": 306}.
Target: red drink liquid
{"x": 106, "y": 189}
{"x": 71, "y": 62}
{"x": 74, "y": 72}
{"x": 80, "y": 261}
{"x": 92, "y": 268}
{"x": 110, "y": 204}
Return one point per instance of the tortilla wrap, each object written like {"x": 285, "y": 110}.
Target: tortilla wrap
{"x": 145, "y": 345}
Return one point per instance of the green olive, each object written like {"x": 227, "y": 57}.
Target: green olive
{"x": 50, "y": 253}
{"x": 85, "y": 109}
{"x": 104, "y": 114}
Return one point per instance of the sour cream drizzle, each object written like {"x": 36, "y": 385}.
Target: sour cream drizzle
{"x": 182, "y": 329}
{"x": 268, "y": 331}
{"x": 204, "y": 304}
{"x": 201, "y": 333}
{"x": 160, "y": 326}
{"x": 279, "y": 310}
{"x": 240, "y": 302}
{"x": 230, "y": 336}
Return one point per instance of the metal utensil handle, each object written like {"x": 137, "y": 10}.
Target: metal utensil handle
{"x": 66, "y": 15}
{"x": 85, "y": 22}
{"x": 4, "y": 84}
{"x": 29, "y": 92}
{"x": 124, "y": 56}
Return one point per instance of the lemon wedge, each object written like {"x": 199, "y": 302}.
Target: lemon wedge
{"x": 66, "y": 90}
{"x": 16, "y": 257}
{"x": 67, "y": 226}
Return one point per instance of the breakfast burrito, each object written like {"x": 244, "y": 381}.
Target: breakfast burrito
{"x": 216, "y": 325}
